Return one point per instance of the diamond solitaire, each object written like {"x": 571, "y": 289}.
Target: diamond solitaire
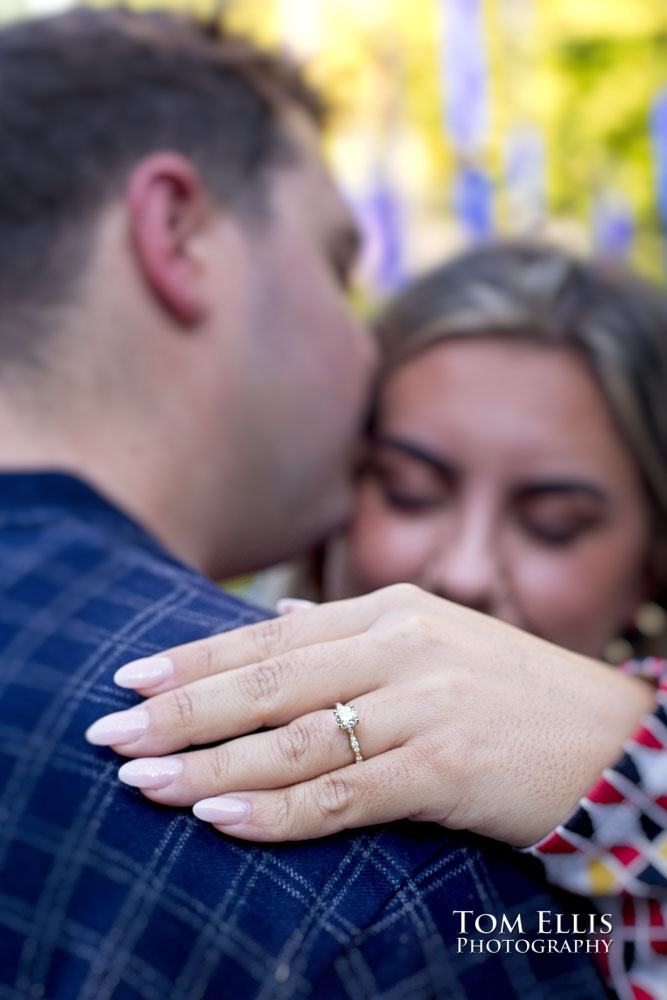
{"x": 347, "y": 718}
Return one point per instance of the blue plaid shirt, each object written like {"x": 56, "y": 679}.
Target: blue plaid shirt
{"x": 106, "y": 896}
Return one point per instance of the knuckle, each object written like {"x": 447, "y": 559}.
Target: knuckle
{"x": 264, "y": 681}
{"x": 203, "y": 659}
{"x": 283, "y": 813}
{"x": 411, "y": 629}
{"x": 294, "y": 743}
{"x": 218, "y": 762}
{"x": 269, "y": 636}
{"x": 335, "y": 797}
{"x": 452, "y": 757}
{"x": 423, "y": 758}
{"x": 424, "y": 631}
{"x": 183, "y": 707}
{"x": 403, "y": 594}
{"x": 403, "y": 772}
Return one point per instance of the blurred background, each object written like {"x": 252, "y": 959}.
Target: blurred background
{"x": 457, "y": 119}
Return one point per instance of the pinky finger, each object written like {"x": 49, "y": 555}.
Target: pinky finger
{"x": 379, "y": 790}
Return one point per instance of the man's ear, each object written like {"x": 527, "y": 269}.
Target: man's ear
{"x": 168, "y": 208}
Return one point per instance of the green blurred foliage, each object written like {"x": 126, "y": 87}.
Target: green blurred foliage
{"x": 583, "y": 72}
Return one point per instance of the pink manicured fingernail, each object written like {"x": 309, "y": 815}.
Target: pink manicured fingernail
{"x": 119, "y": 727}
{"x": 151, "y": 772}
{"x": 223, "y": 810}
{"x": 286, "y": 605}
{"x": 144, "y": 672}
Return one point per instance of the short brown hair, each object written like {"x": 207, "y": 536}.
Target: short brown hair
{"x": 83, "y": 96}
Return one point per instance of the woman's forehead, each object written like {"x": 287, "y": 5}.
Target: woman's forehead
{"x": 500, "y": 398}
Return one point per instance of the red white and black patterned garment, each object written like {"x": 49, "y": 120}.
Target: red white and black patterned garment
{"x": 613, "y": 848}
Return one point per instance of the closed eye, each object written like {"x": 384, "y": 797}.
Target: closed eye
{"x": 555, "y": 534}
{"x": 561, "y": 512}
{"x": 411, "y": 504}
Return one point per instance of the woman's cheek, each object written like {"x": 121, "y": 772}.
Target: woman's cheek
{"x": 573, "y": 597}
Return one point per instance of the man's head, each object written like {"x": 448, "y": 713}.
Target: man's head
{"x": 172, "y": 255}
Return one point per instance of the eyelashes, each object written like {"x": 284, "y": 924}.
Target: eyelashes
{"x": 411, "y": 504}
{"x": 554, "y": 534}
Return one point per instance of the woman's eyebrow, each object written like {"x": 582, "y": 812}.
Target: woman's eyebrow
{"x": 563, "y": 487}
{"x": 436, "y": 462}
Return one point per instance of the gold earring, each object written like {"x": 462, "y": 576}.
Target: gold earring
{"x": 649, "y": 627}
{"x": 651, "y": 620}
{"x": 618, "y": 650}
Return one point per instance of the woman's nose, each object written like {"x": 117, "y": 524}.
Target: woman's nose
{"x": 464, "y": 567}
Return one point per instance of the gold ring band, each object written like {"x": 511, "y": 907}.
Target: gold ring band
{"x": 347, "y": 718}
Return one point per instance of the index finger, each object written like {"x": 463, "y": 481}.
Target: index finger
{"x": 246, "y": 645}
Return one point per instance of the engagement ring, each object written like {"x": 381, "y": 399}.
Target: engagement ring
{"x": 347, "y": 718}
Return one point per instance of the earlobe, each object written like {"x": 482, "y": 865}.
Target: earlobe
{"x": 167, "y": 211}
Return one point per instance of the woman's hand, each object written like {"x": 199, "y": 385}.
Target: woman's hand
{"x": 463, "y": 721}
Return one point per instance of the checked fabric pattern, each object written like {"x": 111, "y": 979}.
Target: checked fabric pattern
{"x": 613, "y": 848}
{"x": 106, "y": 896}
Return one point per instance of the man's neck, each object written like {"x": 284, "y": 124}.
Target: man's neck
{"x": 123, "y": 467}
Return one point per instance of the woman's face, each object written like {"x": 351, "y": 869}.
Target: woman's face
{"x": 499, "y": 481}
